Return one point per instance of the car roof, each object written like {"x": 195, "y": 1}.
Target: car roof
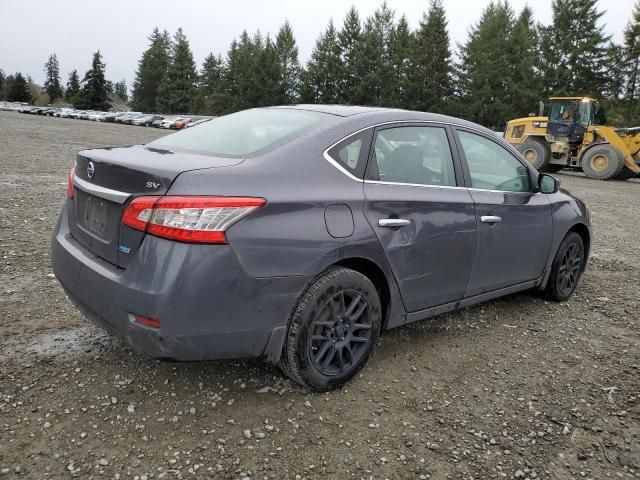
{"x": 363, "y": 117}
{"x": 377, "y": 115}
{"x": 338, "y": 110}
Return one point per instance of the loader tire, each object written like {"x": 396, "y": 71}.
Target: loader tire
{"x": 602, "y": 162}
{"x": 536, "y": 152}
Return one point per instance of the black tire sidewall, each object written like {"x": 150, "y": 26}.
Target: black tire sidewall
{"x": 614, "y": 167}
{"x": 541, "y": 152}
{"x": 552, "y": 287}
{"x": 300, "y": 365}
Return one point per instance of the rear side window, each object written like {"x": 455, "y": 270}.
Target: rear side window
{"x": 417, "y": 155}
{"x": 240, "y": 134}
{"x": 351, "y": 153}
{"x": 491, "y": 166}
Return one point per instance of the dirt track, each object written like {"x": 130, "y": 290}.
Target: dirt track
{"x": 516, "y": 388}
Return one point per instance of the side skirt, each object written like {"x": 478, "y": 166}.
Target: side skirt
{"x": 467, "y": 302}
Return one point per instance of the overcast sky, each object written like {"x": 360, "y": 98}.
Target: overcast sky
{"x": 30, "y": 30}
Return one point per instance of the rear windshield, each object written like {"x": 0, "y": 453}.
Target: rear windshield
{"x": 240, "y": 134}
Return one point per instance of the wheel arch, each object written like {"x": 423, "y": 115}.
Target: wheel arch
{"x": 585, "y": 234}
{"x": 582, "y": 230}
{"x": 376, "y": 275}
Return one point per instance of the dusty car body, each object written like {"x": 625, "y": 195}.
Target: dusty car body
{"x": 397, "y": 215}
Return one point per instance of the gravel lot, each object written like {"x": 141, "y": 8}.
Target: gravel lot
{"x": 515, "y": 388}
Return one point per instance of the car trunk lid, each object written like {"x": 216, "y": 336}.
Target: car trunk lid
{"x": 105, "y": 181}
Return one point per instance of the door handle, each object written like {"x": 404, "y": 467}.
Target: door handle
{"x": 490, "y": 219}
{"x": 393, "y": 222}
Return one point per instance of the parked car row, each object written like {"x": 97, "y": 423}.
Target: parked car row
{"x": 128, "y": 118}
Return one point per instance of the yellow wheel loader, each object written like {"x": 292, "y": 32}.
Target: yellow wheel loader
{"x": 571, "y": 137}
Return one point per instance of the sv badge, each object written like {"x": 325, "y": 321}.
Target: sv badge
{"x": 152, "y": 185}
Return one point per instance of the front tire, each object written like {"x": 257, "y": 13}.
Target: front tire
{"x": 567, "y": 268}
{"x": 332, "y": 331}
{"x": 602, "y": 162}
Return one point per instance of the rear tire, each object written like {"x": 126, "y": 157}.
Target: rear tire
{"x": 566, "y": 268}
{"x": 536, "y": 152}
{"x": 602, "y": 162}
{"x": 332, "y": 330}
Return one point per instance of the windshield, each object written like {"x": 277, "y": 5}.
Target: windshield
{"x": 239, "y": 134}
{"x": 571, "y": 111}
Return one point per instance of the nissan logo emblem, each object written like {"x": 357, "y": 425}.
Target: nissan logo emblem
{"x": 91, "y": 170}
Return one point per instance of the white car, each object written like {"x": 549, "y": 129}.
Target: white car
{"x": 169, "y": 121}
{"x": 95, "y": 116}
{"x": 61, "y": 112}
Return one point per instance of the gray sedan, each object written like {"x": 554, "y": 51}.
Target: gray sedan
{"x": 297, "y": 234}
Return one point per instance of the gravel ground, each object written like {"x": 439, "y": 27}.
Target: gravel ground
{"x": 515, "y": 388}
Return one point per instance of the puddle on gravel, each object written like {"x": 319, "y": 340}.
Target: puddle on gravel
{"x": 62, "y": 344}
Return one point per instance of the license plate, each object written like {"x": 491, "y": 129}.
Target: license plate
{"x": 95, "y": 215}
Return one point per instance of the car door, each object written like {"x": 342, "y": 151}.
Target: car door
{"x": 421, "y": 213}
{"x": 514, "y": 221}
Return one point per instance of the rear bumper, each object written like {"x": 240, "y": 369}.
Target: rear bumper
{"x": 207, "y": 306}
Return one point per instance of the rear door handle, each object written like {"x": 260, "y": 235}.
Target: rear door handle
{"x": 490, "y": 219}
{"x": 393, "y": 222}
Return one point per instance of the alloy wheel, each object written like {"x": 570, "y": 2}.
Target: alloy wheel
{"x": 570, "y": 267}
{"x": 340, "y": 332}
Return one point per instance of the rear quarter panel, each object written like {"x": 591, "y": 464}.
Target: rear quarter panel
{"x": 289, "y": 235}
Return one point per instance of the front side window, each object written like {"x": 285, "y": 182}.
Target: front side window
{"x": 240, "y": 134}
{"x": 491, "y": 166}
{"x": 416, "y": 155}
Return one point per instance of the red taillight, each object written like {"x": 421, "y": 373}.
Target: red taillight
{"x": 148, "y": 322}
{"x": 189, "y": 219}
{"x": 138, "y": 213}
{"x": 70, "y": 182}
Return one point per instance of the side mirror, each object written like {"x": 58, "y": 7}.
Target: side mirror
{"x": 548, "y": 183}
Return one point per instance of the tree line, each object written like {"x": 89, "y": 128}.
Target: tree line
{"x": 94, "y": 91}
{"x": 507, "y": 63}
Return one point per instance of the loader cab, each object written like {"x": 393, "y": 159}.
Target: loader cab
{"x": 569, "y": 118}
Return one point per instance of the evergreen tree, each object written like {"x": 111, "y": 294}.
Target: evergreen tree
{"x": 614, "y": 87}
{"x": 401, "y": 43}
{"x": 52, "y": 83}
{"x": 18, "y": 89}
{"x": 94, "y": 94}
{"x": 484, "y": 73}
{"x": 178, "y": 86}
{"x": 575, "y": 49}
{"x": 350, "y": 44}
{"x": 376, "y": 85}
{"x": 2, "y": 85}
{"x": 525, "y": 65}
{"x": 286, "y": 52}
{"x": 152, "y": 67}
{"x": 240, "y": 79}
{"x": 270, "y": 86}
{"x": 73, "y": 86}
{"x": 632, "y": 53}
{"x": 210, "y": 96}
{"x": 430, "y": 75}
{"x": 8, "y": 85}
{"x": 120, "y": 90}
{"x": 321, "y": 78}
